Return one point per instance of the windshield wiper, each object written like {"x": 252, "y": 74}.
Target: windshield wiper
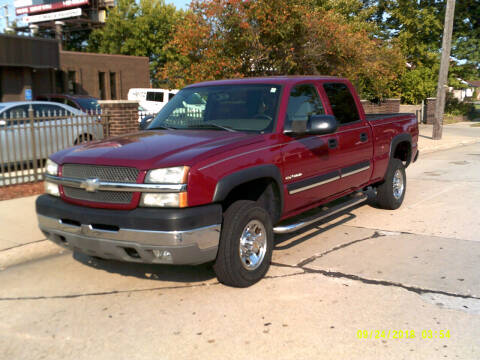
{"x": 161, "y": 127}
{"x": 211, "y": 125}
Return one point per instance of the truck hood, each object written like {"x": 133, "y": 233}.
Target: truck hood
{"x": 155, "y": 149}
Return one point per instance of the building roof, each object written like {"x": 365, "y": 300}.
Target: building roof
{"x": 474, "y": 83}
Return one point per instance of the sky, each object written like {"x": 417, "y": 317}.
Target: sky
{"x": 11, "y": 10}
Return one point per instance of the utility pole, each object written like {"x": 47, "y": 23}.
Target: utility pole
{"x": 443, "y": 73}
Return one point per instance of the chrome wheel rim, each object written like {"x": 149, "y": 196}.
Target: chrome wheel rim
{"x": 253, "y": 245}
{"x": 398, "y": 185}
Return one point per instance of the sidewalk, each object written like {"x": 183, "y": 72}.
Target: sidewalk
{"x": 22, "y": 241}
{"x": 459, "y": 134}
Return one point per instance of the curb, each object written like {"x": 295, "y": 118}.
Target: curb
{"x": 28, "y": 253}
{"x": 441, "y": 147}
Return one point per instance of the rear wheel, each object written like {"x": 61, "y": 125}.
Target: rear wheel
{"x": 246, "y": 244}
{"x": 391, "y": 192}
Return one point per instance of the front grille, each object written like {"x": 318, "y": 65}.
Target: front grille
{"x": 103, "y": 173}
{"x": 110, "y": 197}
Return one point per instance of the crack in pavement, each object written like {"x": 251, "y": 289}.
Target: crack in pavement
{"x": 102, "y": 293}
{"x": 302, "y": 263}
{"x": 20, "y": 245}
{"x": 340, "y": 275}
{"x": 399, "y": 232}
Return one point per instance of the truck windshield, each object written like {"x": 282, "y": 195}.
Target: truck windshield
{"x": 249, "y": 108}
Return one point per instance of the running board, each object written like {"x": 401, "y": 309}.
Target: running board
{"x": 289, "y": 228}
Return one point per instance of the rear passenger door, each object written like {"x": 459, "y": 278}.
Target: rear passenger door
{"x": 355, "y": 143}
{"x": 310, "y": 169}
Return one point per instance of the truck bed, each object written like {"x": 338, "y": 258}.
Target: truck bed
{"x": 374, "y": 117}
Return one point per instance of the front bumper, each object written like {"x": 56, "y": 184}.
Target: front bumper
{"x": 163, "y": 236}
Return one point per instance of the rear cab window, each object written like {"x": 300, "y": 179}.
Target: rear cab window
{"x": 343, "y": 104}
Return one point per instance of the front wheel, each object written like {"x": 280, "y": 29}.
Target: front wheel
{"x": 391, "y": 192}
{"x": 246, "y": 244}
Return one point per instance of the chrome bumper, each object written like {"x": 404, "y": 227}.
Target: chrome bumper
{"x": 194, "y": 246}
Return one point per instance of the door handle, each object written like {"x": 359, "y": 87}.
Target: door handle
{"x": 332, "y": 143}
{"x": 363, "y": 137}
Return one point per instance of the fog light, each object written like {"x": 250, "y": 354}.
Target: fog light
{"x": 162, "y": 254}
{"x": 52, "y": 189}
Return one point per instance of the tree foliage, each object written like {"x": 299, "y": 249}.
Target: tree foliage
{"x": 233, "y": 38}
{"x": 140, "y": 29}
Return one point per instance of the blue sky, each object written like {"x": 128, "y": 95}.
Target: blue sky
{"x": 178, "y": 3}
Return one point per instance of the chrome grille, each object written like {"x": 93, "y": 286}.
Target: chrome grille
{"x": 103, "y": 173}
{"x": 111, "y": 197}
{"x": 115, "y": 174}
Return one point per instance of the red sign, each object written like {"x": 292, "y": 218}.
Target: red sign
{"x": 50, "y": 7}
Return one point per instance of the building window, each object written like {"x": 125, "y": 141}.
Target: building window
{"x": 59, "y": 82}
{"x": 113, "y": 86}
{"x": 72, "y": 82}
{"x": 101, "y": 85}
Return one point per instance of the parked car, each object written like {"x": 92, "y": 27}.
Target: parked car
{"x": 216, "y": 183}
{"x": 151, "y": 100}
{"x": 54, "y": 127}
{"x": 85, "y": 103}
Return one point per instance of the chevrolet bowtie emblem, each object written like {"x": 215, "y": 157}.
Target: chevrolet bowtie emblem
{"x": 90, "y": 185}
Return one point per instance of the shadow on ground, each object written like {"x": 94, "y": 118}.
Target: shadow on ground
{"x": 181, "y": 274}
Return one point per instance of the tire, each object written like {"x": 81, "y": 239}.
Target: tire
{"x": 230, "y": 266}
{"x": 391, "y": 192}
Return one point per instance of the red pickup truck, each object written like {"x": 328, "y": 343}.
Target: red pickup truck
{"x": 223, "y": 167}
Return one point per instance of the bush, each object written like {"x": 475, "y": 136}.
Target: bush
{"x": 455, "y": 107}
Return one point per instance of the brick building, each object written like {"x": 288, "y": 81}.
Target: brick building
{"x": 37, "y": 66}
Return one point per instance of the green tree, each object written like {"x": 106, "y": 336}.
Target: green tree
{"x": 418, "y": 84}
{"x": 466, "y": 35}
{"x": 140, "y": 29}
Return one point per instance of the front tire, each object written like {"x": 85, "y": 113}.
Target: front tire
{"x": 391, "y": 192}
{"x": 246, "y": 244}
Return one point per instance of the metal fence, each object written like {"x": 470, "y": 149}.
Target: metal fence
{"x": 27, "y": 139}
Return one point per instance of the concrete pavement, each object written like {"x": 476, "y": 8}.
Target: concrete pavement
{"x": 411, "y": 269}
{"x": 459, "y": 134}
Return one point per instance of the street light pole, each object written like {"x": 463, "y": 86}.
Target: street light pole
{"x": 443, "y": 73}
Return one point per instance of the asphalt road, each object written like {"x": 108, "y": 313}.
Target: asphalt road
{"x": 369, "y": 270}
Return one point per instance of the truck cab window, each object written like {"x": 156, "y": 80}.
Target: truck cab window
{"x": 342, "y": 103}
{"x": 303, "y": 102}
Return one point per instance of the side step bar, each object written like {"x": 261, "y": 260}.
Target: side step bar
{"x": 289, "y": 228}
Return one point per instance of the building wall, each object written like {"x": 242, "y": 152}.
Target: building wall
{"x": 130, "y": 72}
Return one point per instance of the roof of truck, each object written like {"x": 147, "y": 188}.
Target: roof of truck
{"x": 267, "y": 80}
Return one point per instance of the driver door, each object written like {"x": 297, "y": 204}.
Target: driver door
{"x": 310, "y": 169}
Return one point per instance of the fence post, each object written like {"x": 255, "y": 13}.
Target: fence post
{"x": 34, "y": 142}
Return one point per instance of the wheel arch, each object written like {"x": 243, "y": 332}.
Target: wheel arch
{"x": 234, "y": 187}
{"x": 401, "y": 148}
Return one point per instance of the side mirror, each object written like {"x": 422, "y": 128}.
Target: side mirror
{"x": 321, "y": 125}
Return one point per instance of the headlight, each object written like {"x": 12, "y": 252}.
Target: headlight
{"x": 51, "y": 188}
{"x": 52, "y": 167}
{"x": 173, "y": 175}
{"x": 164, "y": 200}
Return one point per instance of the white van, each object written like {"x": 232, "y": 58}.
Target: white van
{"x": 151, "y": 100}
